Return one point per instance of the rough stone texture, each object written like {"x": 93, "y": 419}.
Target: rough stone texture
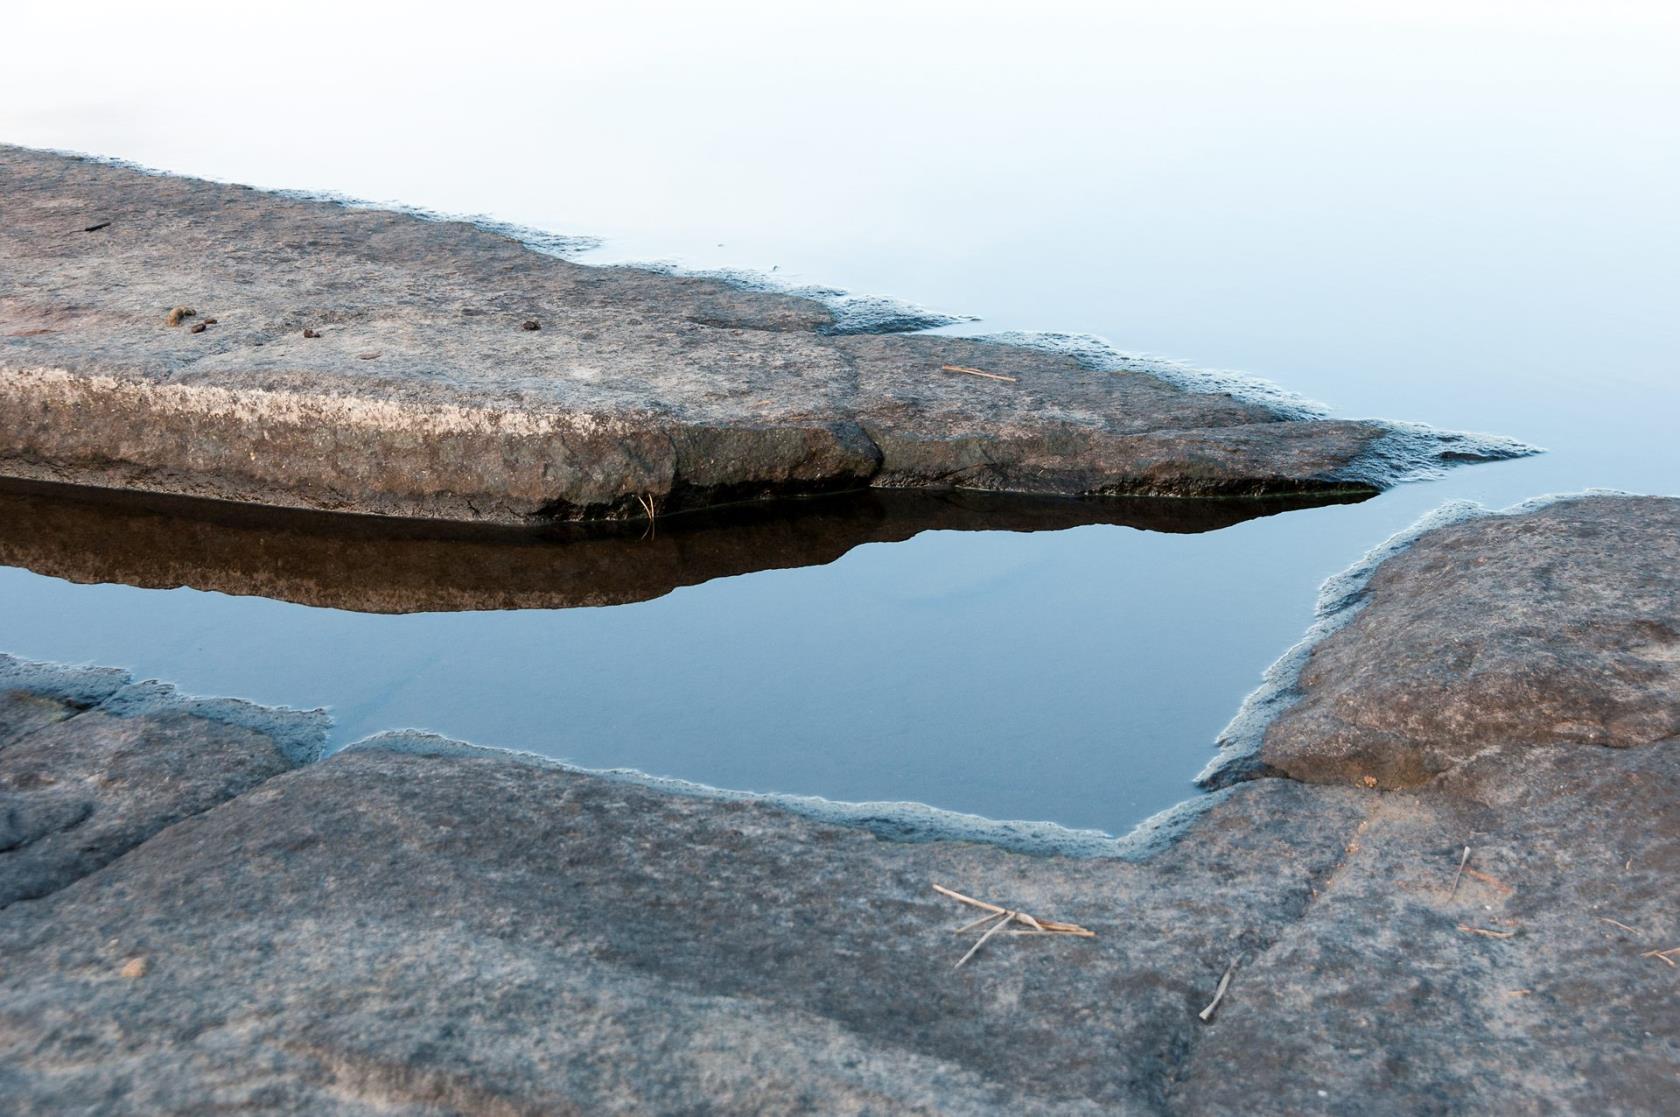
{"x": 423, "y": 396}
{"x": 399, "y": 566}
{"x": 1380, "y": 999}
{"x": 484, "y": 936}
{"x": 81, "y": 784}
{"x": 1576, "y": 639}
{"x": 417, "y": 929}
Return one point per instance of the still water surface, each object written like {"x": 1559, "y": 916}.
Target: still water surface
{"x": 1462, "y": 215}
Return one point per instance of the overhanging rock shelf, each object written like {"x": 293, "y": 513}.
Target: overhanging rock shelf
{"x": 423, "y": 393}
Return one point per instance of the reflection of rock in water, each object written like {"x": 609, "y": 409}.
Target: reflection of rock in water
{"x": 402, "y": 566}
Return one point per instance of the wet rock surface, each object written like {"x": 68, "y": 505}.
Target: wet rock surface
{"x": 416, "y": 927}
{"x": 354, "y": 359}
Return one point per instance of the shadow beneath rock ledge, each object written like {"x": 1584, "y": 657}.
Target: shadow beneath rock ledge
{"x": 375, "y": 565}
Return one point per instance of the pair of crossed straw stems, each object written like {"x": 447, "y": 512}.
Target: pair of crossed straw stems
{"x": 1001, "y": 919}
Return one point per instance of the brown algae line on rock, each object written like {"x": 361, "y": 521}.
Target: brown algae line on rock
{"x": 644, "y": 392}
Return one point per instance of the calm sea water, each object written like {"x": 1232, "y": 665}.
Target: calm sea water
{"x": 1458, "y": 214}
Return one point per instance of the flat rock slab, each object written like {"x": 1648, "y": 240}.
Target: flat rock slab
{"x": 417, "y": 927}
{"x": 640, "y": 393}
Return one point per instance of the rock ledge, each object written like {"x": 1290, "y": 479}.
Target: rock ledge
{"x": 354, "y": 359}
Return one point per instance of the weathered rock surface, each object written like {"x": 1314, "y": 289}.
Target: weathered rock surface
{"x": 377, "y": 565}
{"x": 1529, "y": 990}
{"x": 1575, "y": 640}
{"x": 91, "y": 765}
{"x": 423, "y": 396}
{"x": 417, "y": 928}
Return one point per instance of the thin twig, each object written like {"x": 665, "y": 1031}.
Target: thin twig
{"x": 1663, "y": 955}
{"x": 969, "y": 900}
{"x": 1490, "y": 880}
{"x": 1458, "y": 876}
{"x": 978, "y": 923}
{"x": 1055, "y": 926}
{"x": 1619, "y": 923}
{"x": 999, "y": 920}
{"x": 1485, "y": 931}
{"x": 978, "y": 372}
{"x": 1008, "y": 916}
{"x": 1060, "y": 934}
{"x": 1218, "y": 994}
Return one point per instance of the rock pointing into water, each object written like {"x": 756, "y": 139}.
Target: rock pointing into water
{"x": 418, "y": 927}
{"x": 375, "y": 361}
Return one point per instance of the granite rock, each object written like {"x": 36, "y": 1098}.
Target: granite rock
{"x": 92, "y": 765}
{"x": 375, "y": 361}
{"x": 1557, "y": 624}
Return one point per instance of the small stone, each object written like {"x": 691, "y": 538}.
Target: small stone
{"x": 367, "y": 356}
{"x": 199, "y": 327}
{"x": 209, "y": 321}
{"x": 178, "y": 313}
{"x": 531, "y": 324}
{"x": 135, "y": 968}
{"x": 310, "y": 333}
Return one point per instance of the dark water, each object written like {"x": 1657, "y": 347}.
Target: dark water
{"x": 1075, "y": 675}
{"x": 1462, "y": 215}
